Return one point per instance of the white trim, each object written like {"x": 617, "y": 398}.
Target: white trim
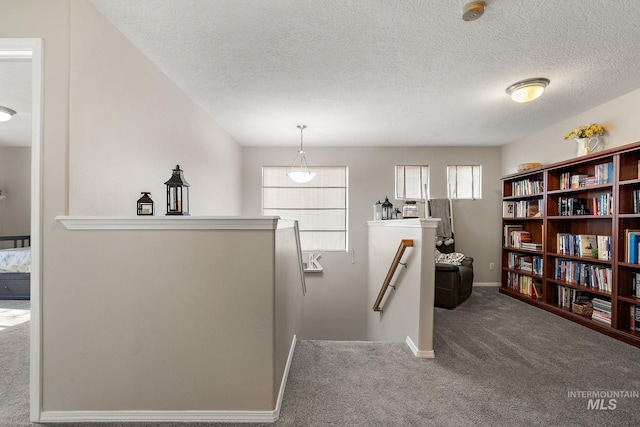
{"x": 168, "y": 222}
{"x": 22, "y": 46}
{"x": 159, "y": 416}
{"x": 413, "y": 222}
{"x": 422, "y": 354}
{"x": 486, "y": 284}
{"x": 177, "y": 416}
{"x": 285, "y": 376}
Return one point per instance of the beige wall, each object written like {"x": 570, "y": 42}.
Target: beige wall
{"x": 335, "y": 306}
{"x": 103, "y": 142}
{"x": 619, "y": 116}
{"x": 130, "y": 125}
{"x": 15, "y": 183}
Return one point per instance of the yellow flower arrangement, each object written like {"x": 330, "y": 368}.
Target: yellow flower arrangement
{"x": 585, "y": 131}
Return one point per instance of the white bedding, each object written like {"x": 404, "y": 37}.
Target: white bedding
{"x": 17, "y": 260}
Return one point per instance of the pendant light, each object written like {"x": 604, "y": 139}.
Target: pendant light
{"x": 300, "y": 172}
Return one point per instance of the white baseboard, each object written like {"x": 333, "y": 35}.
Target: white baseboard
{"x": 486, "y": 283}
{"x": 422, "y": 354}
{"x": 176, "y": 416}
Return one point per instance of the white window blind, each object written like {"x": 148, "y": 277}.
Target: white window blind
{"x": 320, "y": 206}
{"x": 464, "y": 182}
{"x": 412, "y": 183}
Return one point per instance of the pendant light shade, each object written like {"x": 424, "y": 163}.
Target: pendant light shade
{"x": 300, "y": 172}
{"x": 6, "y": 114}
{"x": 527, "y": 90}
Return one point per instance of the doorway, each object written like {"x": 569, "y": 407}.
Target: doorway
{"x": 30, "y": 50}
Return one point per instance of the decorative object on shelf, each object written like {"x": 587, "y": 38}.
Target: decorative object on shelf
{"x": 377, "y": 211}
{"x": 177, "y": 193}
{"x": 145, "y": 204}
{"x": 583, "y": 308}
{"x": 6, "y": 114}
{"x": 527, "y": 90}
{"x": 410, "y": 209}
{"x": 387, "y": 209}
{"x": 585, "y": 136}
{"x": 312, "y": 265}
{"x": 528, "y": 166}
{"x": 300, "y": 172}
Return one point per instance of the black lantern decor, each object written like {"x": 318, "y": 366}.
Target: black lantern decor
{"x": 145, "y": 204}
{"x": 387, "y": 209}
{"x": 177, "y": 193}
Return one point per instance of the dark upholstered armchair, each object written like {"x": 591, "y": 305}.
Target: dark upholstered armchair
{"x": 453, "y": 283}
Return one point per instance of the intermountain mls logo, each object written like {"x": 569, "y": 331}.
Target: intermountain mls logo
{"x": 603, "y": 399}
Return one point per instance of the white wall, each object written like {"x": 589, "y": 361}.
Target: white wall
{"x": 619, "y": 117}
{"x": 335, "y": 305}
{"x": 15, "y": 183}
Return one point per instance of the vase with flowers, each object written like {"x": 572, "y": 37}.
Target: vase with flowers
{"x": 587, "y": 137}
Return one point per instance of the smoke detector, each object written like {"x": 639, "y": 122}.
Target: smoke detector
{"x": 473, "y": 10}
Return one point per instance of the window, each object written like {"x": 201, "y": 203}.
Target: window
{"x": 464, "y": 182}
{"x": 320, "y": 206}
{"x": 412, "y": 183}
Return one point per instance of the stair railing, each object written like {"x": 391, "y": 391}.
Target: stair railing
{"x": 404, "y": 244}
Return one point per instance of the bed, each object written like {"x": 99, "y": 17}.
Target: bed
{"x": 15, "y": 267}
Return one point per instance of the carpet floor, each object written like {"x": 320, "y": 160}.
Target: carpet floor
{"x": 499, "y": 362}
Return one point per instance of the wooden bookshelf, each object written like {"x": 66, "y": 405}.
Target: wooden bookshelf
{"x": 574, "y": 201}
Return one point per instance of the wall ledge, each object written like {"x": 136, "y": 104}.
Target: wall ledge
{"x": 168, "y": 222}
{"x": 413, "y": 222}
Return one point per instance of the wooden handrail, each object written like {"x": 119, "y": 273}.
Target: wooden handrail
{"x": 404, "y": 244}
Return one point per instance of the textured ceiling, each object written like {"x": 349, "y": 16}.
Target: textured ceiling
{"x": 385, "y": 72}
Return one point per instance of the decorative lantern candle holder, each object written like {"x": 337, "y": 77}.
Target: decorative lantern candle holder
{"x": 145, "y": 204}
{"x": 177, "y": 193}
{"x": 387, "y": 209}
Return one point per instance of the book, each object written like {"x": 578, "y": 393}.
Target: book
{"x": 586, "y": 243}
{"x": 508, "y": 209}
{"x": 507, "y": 233}
{"x": 632, "y": 238}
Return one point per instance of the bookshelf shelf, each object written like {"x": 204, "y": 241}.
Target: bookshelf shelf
{"x": 584, "y": 206}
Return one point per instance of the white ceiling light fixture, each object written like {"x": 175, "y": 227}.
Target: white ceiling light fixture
{"x": 300, "y": 172}
{"x": 6, "y": 114}
{"x": 473, "y": 10}
{"x": 527, "y": 90}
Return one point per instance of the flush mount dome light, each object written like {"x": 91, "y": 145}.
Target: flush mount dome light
{"x": 527, "y": 90}
{"x": 473, "y": 10}
{"x": 6, "y": 114}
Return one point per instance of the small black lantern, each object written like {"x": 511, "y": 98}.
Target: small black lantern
{"x": 145, "y": 204}
{"x": 177, "y": 193}
{"x": 387, "y": 209}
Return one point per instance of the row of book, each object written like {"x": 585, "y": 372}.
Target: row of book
{"x": 635, "y": 285}
{"x": 631, "y": 245}
{"x": 599, "y": 205}
{"x": 603, "y": 174}
{"x": 526, "y": 285}
{"x": 527, "y": 263}
{"x": 522, "y": 208}
{"x": 634, "y": 320}
{"x": 527, "y": 187}
{"x": 565, "y": 296}
{"x": 584, "y": 245}
{"x": 516, "y": 237}
{"x": 636, "y": 201}
{"x": 601, "y": 310}
{"x": 580, "y": 273}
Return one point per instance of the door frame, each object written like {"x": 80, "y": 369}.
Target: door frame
{"x": 31, "y": 49}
